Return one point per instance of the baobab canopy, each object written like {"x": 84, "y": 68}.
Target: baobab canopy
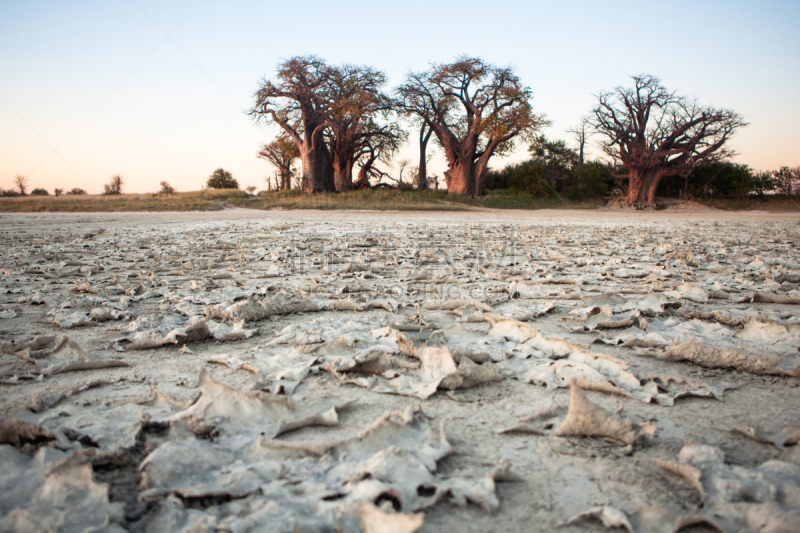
{"x": 475, "y": 109}
{"x": 654, "y": 133}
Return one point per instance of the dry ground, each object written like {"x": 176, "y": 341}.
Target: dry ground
{"x": 621, "y": 289}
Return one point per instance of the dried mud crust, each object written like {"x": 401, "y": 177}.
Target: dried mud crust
{"x": 394, "y": 373}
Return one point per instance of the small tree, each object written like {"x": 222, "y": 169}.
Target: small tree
{"x": 39, "y": 192}
{"x": 58, "y": 192}
{"x": 787, "y": 180}
{"x": 22, "y": 183}
{"x": 114, "y": 186}
{"x": 222, "y": 179}
{"x": 250, "y": 189}
{"x": 76, "y": 190}
{"x": 557, "y": 160}
{"x": 581, "y": 133}
{"x": 763, "y": 181}
{"x": 166, "y": 188}
{"x": 282, "y": 153}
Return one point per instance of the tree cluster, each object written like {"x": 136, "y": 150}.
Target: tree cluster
{"x": 339, "y": 118}
{"x": 114, "y": 186}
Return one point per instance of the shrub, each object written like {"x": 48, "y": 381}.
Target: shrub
{"x": 39, "y": 192}
{"x": 721, "y": 179}
{"x": 22, "y": 183}
{"x": 58, "y": 192}
{"x": 9, "y": 192}
{"x": 166, "y": 188}
{"x": 250, "y": 189}
{"x": 590, "y": 180}
{"x": 76, "y": 190}
{"x": 114, "y": 186}
{"x": 222, "y": 179}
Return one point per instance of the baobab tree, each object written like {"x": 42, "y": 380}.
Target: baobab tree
{"x": 380, "y": 146}
{"x": 282, "y": 153}
{"x": 475, "y": 110}
{"x": 357, "y": 105}
{"x": 297, "y": 103}
{"x": 654, "y": 133}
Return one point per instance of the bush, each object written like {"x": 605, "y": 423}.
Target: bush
{"x": 114, "y": 186}
{"x": 76, "y": 190}
{"x": 250, "y": 189}
{"x": 166, "y": 188}
{"x": 222, "y": 179}
{"x": 39, "y": 192}
{"x": 590, "y": 180}
{"x": 528, "y": 177}
{"x": 58, "y": 192}
{"x": 724, "y": 179}
{"x": 9, "y": 192}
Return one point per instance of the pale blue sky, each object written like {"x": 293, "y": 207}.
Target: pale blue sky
{"x": 91, "y": 89}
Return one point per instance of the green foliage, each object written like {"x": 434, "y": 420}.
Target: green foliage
{"x": 39, "y": 192}
{"x": 721, "y": 179}
{"x": 222, "y": 179}
{"x": 550, "y": 173}
{"x": 526, "y": 177}
{"x": 763, "y": 181}
{"x": 590, "y": 180}
{"x": 554, "y": 154}
{"x": 787, "y": 180}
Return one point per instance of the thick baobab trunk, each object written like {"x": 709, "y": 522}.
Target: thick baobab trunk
{"x": 317, "y": 170}
{"x": 464, "y": 174}
{"x": 461, "y": 179}
{"x": 642, "y": 187}
{"x": 342, "y": 173}
{"x": 363, "y": 179}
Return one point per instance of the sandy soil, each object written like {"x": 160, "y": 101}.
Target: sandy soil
{"x": 532, "y": 298}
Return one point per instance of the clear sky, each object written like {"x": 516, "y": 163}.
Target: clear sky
{"x": 157, "y": 90}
